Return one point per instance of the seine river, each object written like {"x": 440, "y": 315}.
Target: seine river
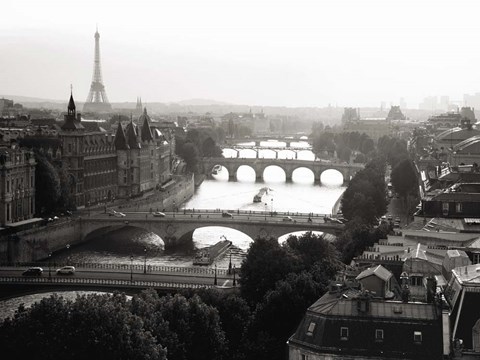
{"x": 300, "y": 195}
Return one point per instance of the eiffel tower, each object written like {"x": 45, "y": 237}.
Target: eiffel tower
{"x": 97, "y": 100}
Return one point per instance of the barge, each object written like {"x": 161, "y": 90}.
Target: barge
{"x": 258, "y": 197}
{"x": 207, "y": 255}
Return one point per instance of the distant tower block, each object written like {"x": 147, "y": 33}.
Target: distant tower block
{"x": 97, "y": 100}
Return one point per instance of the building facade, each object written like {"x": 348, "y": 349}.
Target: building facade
{"x": 17, "y": 184}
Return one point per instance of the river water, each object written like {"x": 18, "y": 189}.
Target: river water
{"x": 300, "y": 195}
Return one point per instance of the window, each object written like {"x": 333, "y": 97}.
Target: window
{"x": 416, "y": 280}
{"x": 458, "y": 207}
{"x": 378, "y": 335}
{"x": 417, "y": 337}
{"x": 476, "y": 258}
{"x": 311, "y": 328}
{"x": 344, "y": 333}
{"x": 445, "y": 206}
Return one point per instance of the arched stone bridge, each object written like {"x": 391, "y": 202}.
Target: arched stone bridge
{"x": 178, "y": 229}
{"x": 288, "y": 165}
{"x": 259, "y": 139}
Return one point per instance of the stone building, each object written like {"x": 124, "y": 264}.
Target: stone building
{"x": 90, "y": 157}
{"x": 17, "y": 184}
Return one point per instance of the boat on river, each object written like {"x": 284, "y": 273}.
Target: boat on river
{"x": 216, "y": 169}
{"x": 263, "y": 191}
{"x": 207, "y": 255}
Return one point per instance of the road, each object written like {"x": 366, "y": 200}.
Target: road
{"x": 201, "y": 278}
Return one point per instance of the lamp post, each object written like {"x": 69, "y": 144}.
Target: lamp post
{"x": 131, "y": 268}
{"x": 68, "y": 257}
{"x": 49, "y": 265}
{"x": 234, "y": 280}
{"x": 265, "y": 212}
{"x": 215, "y": 280}
{"x": 230, "y": 265}
{"x": 173, "y": 208}
{"x": 271, "y": 214}
{"x": 145, "y": 261}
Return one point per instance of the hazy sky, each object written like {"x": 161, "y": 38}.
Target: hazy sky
{"x": 262, "y": 52}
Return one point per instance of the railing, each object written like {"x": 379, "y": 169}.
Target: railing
{"x": 100, "y": 282}
{"x": 129, "y": 267}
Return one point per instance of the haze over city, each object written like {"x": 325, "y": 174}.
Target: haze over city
{"x": 280, "y": 53}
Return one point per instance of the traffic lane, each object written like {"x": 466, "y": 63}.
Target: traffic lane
{"x": 213, "y": 216}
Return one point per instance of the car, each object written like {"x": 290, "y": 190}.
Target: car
{"x": 287, "y": 218}
{"x": 397, "y": 219}
{"x": 227, "y": 215}
{"x": 119, "y": 214}
{"x": 66, "y": 270}
{"x": 383, "y": 218}
{"x": 33, "y": 271}
{"x": 396, "y": 224}
{"x": 111, "y": 212}
{"x": 389, "y": 217}
{"x": 158, "y": 214}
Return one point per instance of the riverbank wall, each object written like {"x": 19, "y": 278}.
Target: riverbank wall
{"x": 336, "y": 206}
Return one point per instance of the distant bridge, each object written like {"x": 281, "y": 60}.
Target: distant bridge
{"x": 276, "y": 149}
{"x": 287, "y": 165}
{"x": 259, "y": 139}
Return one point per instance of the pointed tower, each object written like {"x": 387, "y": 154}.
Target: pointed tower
{"x": 72, "y": 119}
{"x": 120, "y": 139}
{"x": 131, "y": 135}
{"x": 146, "y": 130}
{"x": 97, "y": 100}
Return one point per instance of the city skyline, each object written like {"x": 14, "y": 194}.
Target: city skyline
{"x": 267, "y": 53}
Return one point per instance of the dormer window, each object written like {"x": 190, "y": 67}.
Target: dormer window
{"x": 344, "y": 333}
{"x": 378, "y": 335}
{"x": 417, "y": 337}
{"x": 311, "y": 328}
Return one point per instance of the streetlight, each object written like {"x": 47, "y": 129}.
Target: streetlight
{"x": 173, "y": 208}
{"x": 145, "y": 261}
{"x": 68, "y": 257}
{"x": 265, "y": 212}
{"x": 234, "y": 280}
{"x": 131, "y": 268}
{"x": 271, "y": 207}
{"x": 230, "y": 265}
{"x": 215, "y": 280}
{"x": 49, "y": 266}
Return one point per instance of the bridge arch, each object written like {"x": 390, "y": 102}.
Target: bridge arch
{"x": 305, "y": 170}
{"x": 341, "y": 174}
{"x": 210, "y": 235}
{"x": 277, "y": 170}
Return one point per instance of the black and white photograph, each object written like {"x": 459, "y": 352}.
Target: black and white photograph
{"x": 239, "y": 179}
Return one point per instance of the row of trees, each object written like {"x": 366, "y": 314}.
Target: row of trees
{"x": 278, "y": 282}
{"x": 342, "y": 144}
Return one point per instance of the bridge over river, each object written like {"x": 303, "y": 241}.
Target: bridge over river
{"x": 176, "y": 228}
{"x": 288, "y": 166}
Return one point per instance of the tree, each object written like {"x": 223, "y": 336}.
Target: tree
{"x": 266, "y": 263}
{"x": 189, "y": 153}
{"x": 210, "y": 148}
{"x": 404, "y": 178}
{"x": 94, "y": 326}
{"x": 48, "y": 184}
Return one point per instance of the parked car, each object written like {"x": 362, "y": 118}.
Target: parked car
{"x": 227, "y": 214}
{"x": 33, "y": 271}
{"x": 66, "y": 270}
{"x": 287, "y": 218}
{"x": 119, "y": 214}
{"x": 158, "y": 214}
{"x": 397, "y": 219}
{"x": 111, "y": 212}
{"x": 389, "y": 217}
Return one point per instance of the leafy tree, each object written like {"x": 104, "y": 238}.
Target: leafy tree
{"x": 279, "y": 313}
{"x": 404, "y": 178}
{"x": 210, "y": 149}
{"x": 189, "y": 153}
{"x": 344, "y": 153}
{"x": 48, "y": 183}
{"x": 266, "y": 263}
{"x": 97, "y": 327}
